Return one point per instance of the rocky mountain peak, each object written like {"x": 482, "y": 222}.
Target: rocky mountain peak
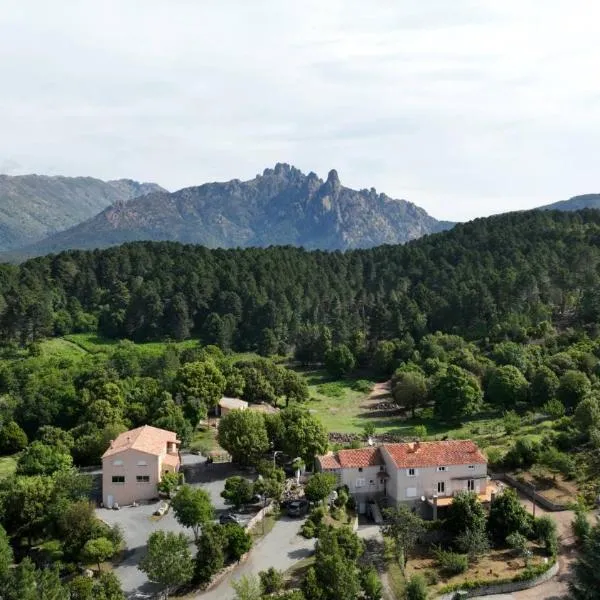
{"x": 333, "y": 181}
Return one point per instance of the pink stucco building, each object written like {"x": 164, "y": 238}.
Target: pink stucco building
{"x": 134, "y": 463}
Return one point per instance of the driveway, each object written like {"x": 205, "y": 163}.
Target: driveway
{"x": 280, "y": 548}
{"x": 138, "y": 523}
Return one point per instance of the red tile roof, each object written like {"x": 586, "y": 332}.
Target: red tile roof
{"x": 361, "y": 457}
{"x": 329, "y": 461}
{"x": 148, "y": 439}
{"x": 435, "y": 454}
{"x": 414, "y": 454}
{"x": 351, "y": 459}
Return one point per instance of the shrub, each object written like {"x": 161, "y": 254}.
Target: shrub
{"x": 362, "y": 385}
{"x": 581, "y": 526}
{"x": 554, "y": 408}
{"x": 511, "y": 422}
{"x": 332, "y": 390}
{"x": 494, "y": 456}
{"x": 517, "y": 542}
{"x": 523, "y": 454}
{"x": 545, "y": 531}
{"x": 473, "y": 542}
{"x": 451, "y": 563}
{"x": 431, "y": 577}
{"x": 308, "y": 530}
{"x": 271, "y": 581}
{"x": 420, "y": 431}
{"x": 416, "y": 588}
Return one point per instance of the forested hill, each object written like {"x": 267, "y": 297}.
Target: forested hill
{"x": 500, "y": 276}
{"x": 35, "y": 206}
{"x": 281, "y": 206}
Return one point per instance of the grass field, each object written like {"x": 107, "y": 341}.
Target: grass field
{"x": 343, "y": 409}
{"x": 8, "y": 465}
{"x": 89, "y": 342}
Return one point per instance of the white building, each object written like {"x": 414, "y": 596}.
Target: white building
{"x": 411, "y": 472}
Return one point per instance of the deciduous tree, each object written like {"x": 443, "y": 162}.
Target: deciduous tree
{"x": 192, "y": 508}
{"x": 244, "y": 435}
{"x": 168, "y": 560}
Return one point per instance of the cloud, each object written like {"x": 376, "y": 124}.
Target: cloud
{"x": 465, "y": 108}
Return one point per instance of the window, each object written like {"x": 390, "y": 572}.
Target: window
{"x": 359, "y": 483}
{"x": 118, "y": 479}
{"x": 411, "y": 472}
{"x": 442, "y": 468}
{"x": 143, "y": 478}
{"x": 360, "y": 469}
{"x": 371, "y": 482}
{"x": 381, "y": 481}
{"x": 142, "y": 463}
{"x": 471, "y": 466}
{"x": 441, "y": 487}
{"x": 471, "y": 485}
{"x": 411, "y": 492}
{"x": 381, "y": 468}
{"x": 118, "y": 463}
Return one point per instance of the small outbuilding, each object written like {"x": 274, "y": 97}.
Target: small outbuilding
{"x": 228, "y": 404}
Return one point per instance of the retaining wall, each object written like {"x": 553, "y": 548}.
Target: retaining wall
{"x": 528, "y": 490}
{"x": 506, "y": 588}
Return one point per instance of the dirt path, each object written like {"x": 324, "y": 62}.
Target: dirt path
{"x": 381, "y": 392}
{"x": 558, "y": 587}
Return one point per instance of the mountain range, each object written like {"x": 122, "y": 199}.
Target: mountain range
{"x": 33, "y": 207}
{"x": 281, "y": 206}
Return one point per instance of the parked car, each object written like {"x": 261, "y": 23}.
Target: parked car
{"x": 297, "y": 508}
{"x": 229, "y": 518}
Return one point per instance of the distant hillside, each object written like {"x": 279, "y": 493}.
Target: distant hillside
{"x": 283, "y": 206}
{"x": 35, "y": 206}
{"x": 575, "y": 203}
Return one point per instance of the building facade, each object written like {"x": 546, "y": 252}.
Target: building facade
{"x": 135, "y": 462}
{"x": 431, "y": 472}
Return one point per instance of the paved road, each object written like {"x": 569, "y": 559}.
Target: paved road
{"x": 280, "y": 548}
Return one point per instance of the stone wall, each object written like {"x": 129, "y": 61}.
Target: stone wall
{"x": 506, "y": 588}
{"x": 530, "y": 493}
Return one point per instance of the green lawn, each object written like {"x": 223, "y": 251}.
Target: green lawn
{"x": 8, "y": 465}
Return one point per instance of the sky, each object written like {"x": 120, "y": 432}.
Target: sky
{"x": 465, "y": 108}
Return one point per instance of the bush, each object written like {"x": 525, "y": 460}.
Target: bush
{"x": 581, "y": 526}
{"x": 332, "y": 390}
{"x": 473, "y": 542}
{"x": 431, "y": 577}
{"x": 523, "y": 454}
{"x": 517, "y": 542}
{"x": 271, "y": 581}
{"x": 451, "y": 563}
{"x": 420, "y": 431}
{"x": 416, "y": 588}
{"x": 494, "y": 456}
{"x": 362, "y": 385}
{"x": 545, "y": 531}
{"x": 308, "y": 530}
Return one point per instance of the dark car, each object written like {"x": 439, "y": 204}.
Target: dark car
{"x": 297, "y": 508}
{"x": 229, "y": 518}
